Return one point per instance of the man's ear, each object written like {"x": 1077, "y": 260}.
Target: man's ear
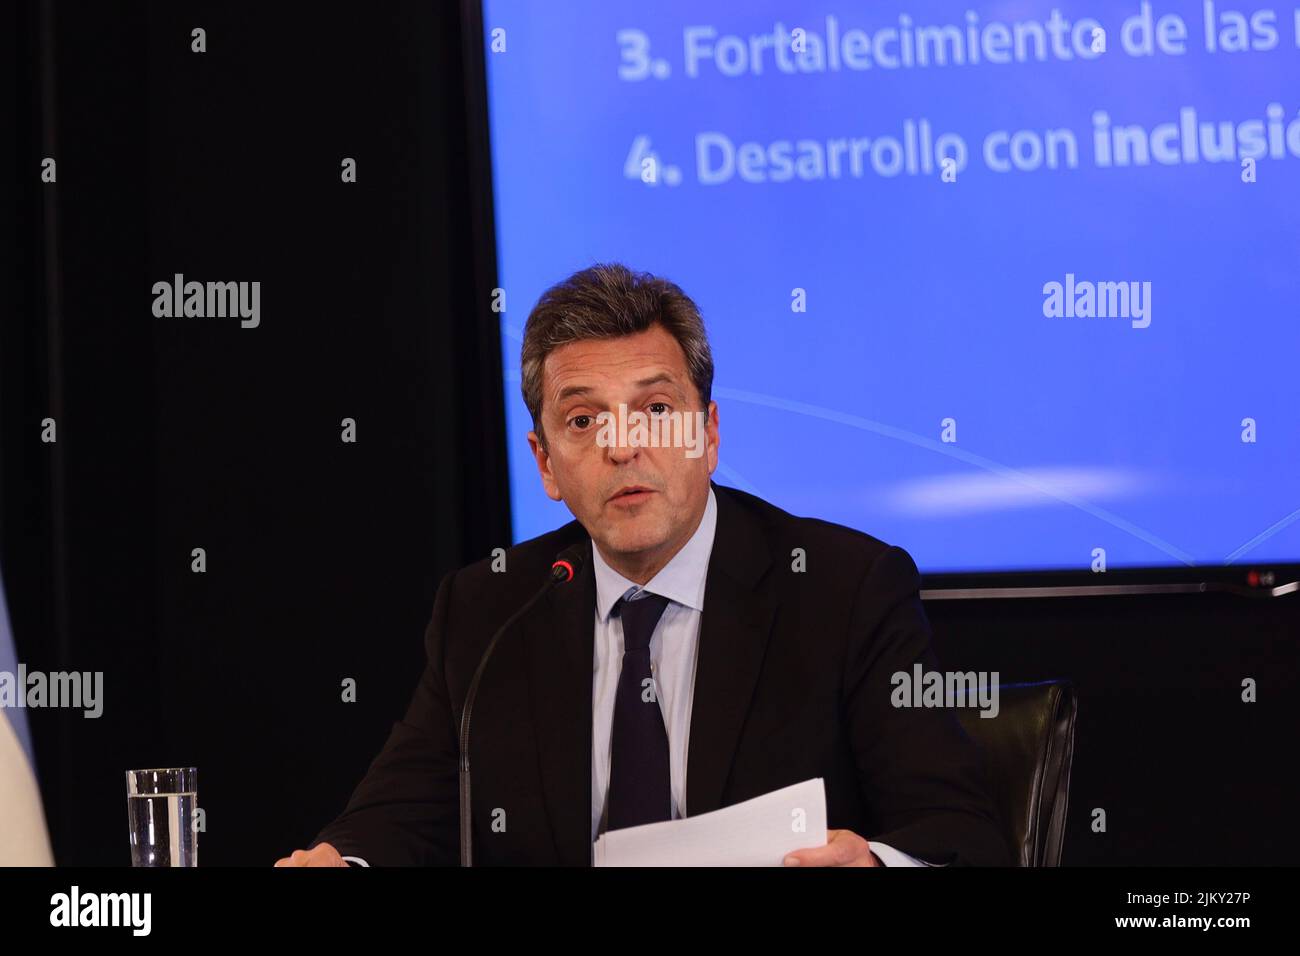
{"x": 714, "y": 439}
{"x": 543, "y": 458}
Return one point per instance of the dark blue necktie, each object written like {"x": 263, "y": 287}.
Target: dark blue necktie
{"x": 640, "y": 786}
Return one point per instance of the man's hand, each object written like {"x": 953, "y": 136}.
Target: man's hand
{"x": 843, "y": 848}
{"x": 322, "y": 854}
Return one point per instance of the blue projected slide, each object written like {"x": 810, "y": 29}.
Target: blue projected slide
{"x": 1009, "y": 285}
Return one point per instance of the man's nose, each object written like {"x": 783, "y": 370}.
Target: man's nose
{"x": 622, "y": 453}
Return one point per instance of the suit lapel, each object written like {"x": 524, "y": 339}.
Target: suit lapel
{"x": 733, "y": 638}
{"x": 560, "y": 654}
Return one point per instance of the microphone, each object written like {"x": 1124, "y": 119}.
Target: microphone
{"x": 565, "y": 568}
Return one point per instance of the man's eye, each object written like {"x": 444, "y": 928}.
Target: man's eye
{"x": 658, "y": 408}
{"x": 580, "y": 422}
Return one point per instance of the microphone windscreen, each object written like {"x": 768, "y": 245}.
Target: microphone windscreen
{"x": 570, "y": 561}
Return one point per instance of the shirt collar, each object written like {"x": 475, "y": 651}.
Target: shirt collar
{"x": 681, "y": 580}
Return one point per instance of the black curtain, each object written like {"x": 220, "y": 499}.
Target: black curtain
{"x": 322, "y": 556}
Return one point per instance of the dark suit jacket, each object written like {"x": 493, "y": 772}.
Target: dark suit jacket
{"x": 792, "y": 682}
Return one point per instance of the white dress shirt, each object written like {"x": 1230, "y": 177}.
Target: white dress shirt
{"x": 673, "y": 647}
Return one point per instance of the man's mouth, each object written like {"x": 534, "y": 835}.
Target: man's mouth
{"x": 631, "y": 495}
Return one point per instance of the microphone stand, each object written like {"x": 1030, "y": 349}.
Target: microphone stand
{"x": 562, "y": 571}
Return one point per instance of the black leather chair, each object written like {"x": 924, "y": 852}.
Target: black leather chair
{"x": 1028, "y": 749}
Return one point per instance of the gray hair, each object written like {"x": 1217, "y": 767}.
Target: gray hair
{"x": 605, "y": 301}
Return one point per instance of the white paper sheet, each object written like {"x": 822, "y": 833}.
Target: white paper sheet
{"x": 758, "y": 832}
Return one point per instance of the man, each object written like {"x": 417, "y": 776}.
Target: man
{"x": 763, "y": 643}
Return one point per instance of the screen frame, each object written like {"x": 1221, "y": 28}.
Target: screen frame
{"x": 1266, "y": 580}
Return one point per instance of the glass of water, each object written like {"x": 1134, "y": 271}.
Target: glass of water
{"x": 160, "y": 807}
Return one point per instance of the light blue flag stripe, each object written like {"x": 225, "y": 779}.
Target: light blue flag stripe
{"x": 17, "y": 716}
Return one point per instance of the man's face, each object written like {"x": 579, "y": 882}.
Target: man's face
{"x": 669, "y": 488}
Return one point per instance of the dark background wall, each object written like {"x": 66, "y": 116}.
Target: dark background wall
{"x": 1186, "y": 772}
{"x": 323, "y": 557}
